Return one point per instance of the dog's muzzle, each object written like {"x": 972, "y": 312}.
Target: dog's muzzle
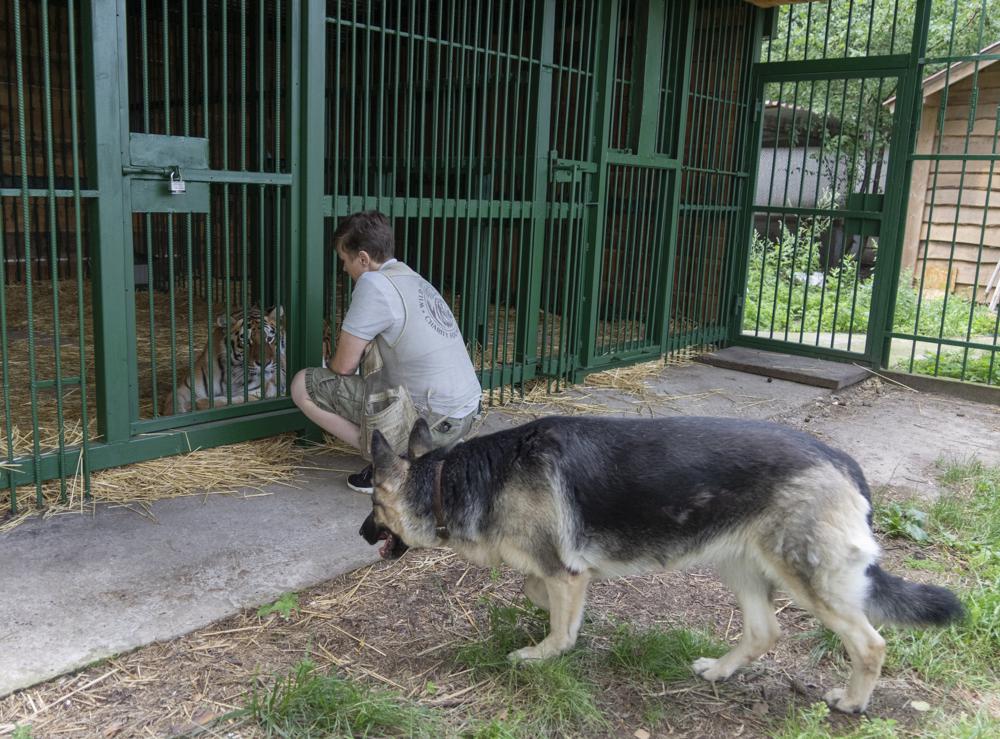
{"x": 393, "y": 548}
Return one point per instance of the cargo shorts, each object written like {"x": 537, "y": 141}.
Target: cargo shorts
{"x": 344, "y": 395}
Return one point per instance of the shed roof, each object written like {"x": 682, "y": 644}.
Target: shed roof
{"x": 955, "y": 73}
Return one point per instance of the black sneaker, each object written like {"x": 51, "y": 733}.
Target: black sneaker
{"x": 361, "y": 482}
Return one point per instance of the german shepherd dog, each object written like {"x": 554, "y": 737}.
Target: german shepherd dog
{"x": 567, "y": 500}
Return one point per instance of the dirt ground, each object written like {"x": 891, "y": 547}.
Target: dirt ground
{"x": 398, "y": 626}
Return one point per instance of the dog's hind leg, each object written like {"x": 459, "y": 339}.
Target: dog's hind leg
{"x": 567, "y": 594}
{"x": 836, "y": 602}
{"x": 760, "y": 627}
{"x": 534, "y": 588}
{"x": 866, "y": 648}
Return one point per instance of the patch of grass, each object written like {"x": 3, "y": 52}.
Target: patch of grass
{"x": 661, "y": 655}
{"x": 963, "y": 526}
{"x": 509, "y": 728}
{"x": 285, "y": 606}
{"x": 308, "y": 703}
{"x": 954, "y": 363}
{"x": 511, "y": 627}
{"x": 826, "y": 645}
{"x": 21, "y": 732}
{"x": 556, "y": 697}
{"x": 901, "y": 521}
{"x": 811, "y": 723}
{"x": 782, "y": 295}
{"x": 927, "y": 564}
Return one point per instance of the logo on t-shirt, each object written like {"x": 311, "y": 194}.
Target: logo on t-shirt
{"x": 436, "y": 312}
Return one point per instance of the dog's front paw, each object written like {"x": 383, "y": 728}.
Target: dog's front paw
{"x": 710, "y": 669}
{"x": 526, "y": 654}
{"x": 837, "y": 699}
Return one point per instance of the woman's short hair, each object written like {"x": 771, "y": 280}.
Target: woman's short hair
{"x": 367, "y": 231}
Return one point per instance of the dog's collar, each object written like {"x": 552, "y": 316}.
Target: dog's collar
{"x": 442, "y": 527}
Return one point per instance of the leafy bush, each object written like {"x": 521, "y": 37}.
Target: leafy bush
{"x": 780, "y": 295}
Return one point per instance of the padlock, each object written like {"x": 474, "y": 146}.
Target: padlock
{"x": 177, "y": 185}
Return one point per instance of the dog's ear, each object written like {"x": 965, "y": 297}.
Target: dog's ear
{"x": 421, "y": 441}
{"x": 383, "y": 457}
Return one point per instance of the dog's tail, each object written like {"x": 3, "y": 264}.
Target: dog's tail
{"x": 892, "y": 599}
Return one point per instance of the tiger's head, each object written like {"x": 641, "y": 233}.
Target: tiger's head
{"x": 270, "y": 327}
{"x": 240, "y": 341}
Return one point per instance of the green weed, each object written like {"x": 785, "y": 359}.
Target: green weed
{"x": 811, "y": 723}
{"x": 661, "y": 655}
{"x": 901, "y": 521}
{"x": 308, "y": 703}
{"x": 285, "y": 606}
{"x": 779, "y": 297}
{"x": 555, "y": 696}
{"x": 964, "y": 526}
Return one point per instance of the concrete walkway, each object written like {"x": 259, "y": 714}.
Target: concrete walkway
{"x": 77, "y": 588}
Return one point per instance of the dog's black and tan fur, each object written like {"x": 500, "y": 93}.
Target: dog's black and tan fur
{"x": 568, "y": 500}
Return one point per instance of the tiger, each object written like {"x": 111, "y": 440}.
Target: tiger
{"x": 267, "y": 381}
{"x": 240, "y": 351}
{"x": 275, "y": 323}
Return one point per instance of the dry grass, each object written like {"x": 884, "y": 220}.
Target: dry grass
{"x": 243, "y": 469}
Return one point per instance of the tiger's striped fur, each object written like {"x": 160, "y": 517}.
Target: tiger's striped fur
{"x": 238, "y": 351}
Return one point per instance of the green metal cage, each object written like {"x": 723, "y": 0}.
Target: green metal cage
{"x": 588, "y": 183}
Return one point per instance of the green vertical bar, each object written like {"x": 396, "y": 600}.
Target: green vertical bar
{"x": 603, "y": 103}
{"x": 666, "y": 263}
{"x": 308, "y": 131}
{"x": 483, "y": 255}
{"x": 226, "y": 164}
{"x": 649, "y": 83}
{"x": 53, "y": 249}
{"x": 750, "y": 165}
{"x": 261, "y": 243}
{"x": 281, "y": 295}
{"x": 189, "y": 246}
{"x": 897, "y": 186}
{"x": 106, "y": 137}
{"x": 26, "y": 223}
{"x": 84, "y": 463}
{"x": 532, "y": 264}
{"x": 244, "y": 197}
{"x": 147, "y": 218}
{"x": 209, "y": 284}
{"x": 488, "y": 194}
{"x": 5, "y": 368}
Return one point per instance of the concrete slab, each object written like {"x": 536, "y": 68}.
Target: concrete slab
{"x": 805, "y": 370}
{"x": 77, "y": 588}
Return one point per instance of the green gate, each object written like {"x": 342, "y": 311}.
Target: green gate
{"x": 828, "y": 170}
{"x": 867, "y": 110}
{"x": 167, "y": 198}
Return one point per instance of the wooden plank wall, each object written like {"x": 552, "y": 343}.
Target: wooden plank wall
{"x": 955, "y": 205}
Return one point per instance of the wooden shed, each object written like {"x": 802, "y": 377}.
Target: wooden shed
{"x": 952, "y": 238}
